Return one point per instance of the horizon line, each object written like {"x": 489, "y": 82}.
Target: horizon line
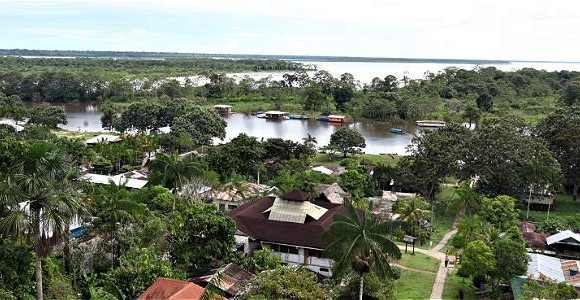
{"x": 290, "y": 56}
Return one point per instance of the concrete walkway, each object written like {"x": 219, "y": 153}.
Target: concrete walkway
{"x": 435, "y": 252}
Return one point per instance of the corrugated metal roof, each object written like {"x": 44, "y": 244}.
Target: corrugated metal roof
{"x": 103, "y": 138}
{"x": 120, "y": 180}
{"x": 543, "y": 266}
{"x": 295, "y": 212}
{"x": 563, "y": 235}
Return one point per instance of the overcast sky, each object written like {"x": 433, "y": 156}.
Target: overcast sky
{"x": 478, "y": 29}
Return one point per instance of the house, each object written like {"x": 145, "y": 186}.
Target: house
{"x": 221, "y": 109}
{"x": 229, "y": 197}
{"x": 172, "y": 289}
{"x": 291, "y": 226}
{"x": 133, "y": 179}
{"x": 565, "y": 243}
{"x": 232, "y": 279}
{"x": 329, "y": 170}
{"x": 11, "y": 123}
{"x": 104, "y": 139}
{"x": 337, "y": 119}
{"x": 540, "y": 197}
{"x": 382, "y": 207}
{"x": 332, "y": 193}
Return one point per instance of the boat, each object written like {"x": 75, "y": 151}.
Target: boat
{"x": 430, "y": 123}
{"x": 261, "y": 116}
{"x": 256, "y": 113}
{"x": 397, "y": 130}
{"x": 299, "y": 117}
{"x": 276, "y": 115}
{"x": 337, "y": 119}
{"x": 322, "y": 118}
{"x": 222, "y": 109}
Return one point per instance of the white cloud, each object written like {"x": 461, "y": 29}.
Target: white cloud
{"x": 509, "y": 29}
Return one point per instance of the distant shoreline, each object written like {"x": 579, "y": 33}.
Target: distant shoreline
{"x": 303, "y": 58}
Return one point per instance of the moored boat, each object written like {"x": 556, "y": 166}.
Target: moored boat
{"x": 397, "y": 130}
{"x": 322, "y": 118}
{"x": 299, "y": 117}
{"x": 430, "y": 123}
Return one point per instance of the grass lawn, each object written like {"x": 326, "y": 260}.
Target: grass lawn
{"x": 452, "y": 285}
{"x": 564, "y": 207}
{"x": 374, "y": 159}
{"x": 414, "y": 285}
{"x": 419, "y": 261}
{"x": 75, "y": 134}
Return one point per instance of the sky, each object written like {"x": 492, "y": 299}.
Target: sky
{"x": 464, "y": 29}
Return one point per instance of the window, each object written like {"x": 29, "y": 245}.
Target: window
{"x": 315, "y": 253}
{"x": 222, "y": 207}
{"x": 232, "y": 207}
{"x": 323, "y": 270}
{"x": 282, "y": 248}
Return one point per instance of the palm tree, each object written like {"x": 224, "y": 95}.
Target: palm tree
{"x": 413, "y": 212}
{"x": 173, "y": 171}
{"x": 41, "y": 200}
{"x": 309, "y": 140}
{"x": 362, "y": 243}
{"x": 114, "y": 207}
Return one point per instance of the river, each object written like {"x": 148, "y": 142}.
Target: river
{"x": 87, "y": 118}
{"x": 378, "y": 138}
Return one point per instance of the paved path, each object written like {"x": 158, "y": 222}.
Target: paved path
{"x": 435, "y": 252}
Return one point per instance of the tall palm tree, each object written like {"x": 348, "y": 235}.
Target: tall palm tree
{"x": 414, "y": 211}
{"x": 173, "y": 171}
{"x": 362, "y": 243}
{"x": 41, "y": 200}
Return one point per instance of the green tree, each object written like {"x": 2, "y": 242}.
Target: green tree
{"x": 511, "y": 258}
{"x": 140, "y": 116}
{"x": 571, "y": 93}
{"x": 264, "y": 259}
{"x": 109, "y": 115}
{"x": 472, "y": 113}
{"x": 242, "y": 156}
{"x": 356, "y": 182}
{"x": 499, "y": 211}
{"x": 478, "y": 260}
{"x": 347, "y": 140}
{"x": 484, "y": 102}
{"x": 201, "y": 124}
{"x": 138, "y": 269}
{"x": 174, "y": 171}
{"x": 44, "y": 181}
{"x": 534, "y": 289}
{"x": 202, "y": 238}
{"x": 16, "y": 266}
{"x": 561, "y": 130}
{"x": 362, "y": 244}
{"x": 286, "y": 282}
{"x": 47, "y": 115}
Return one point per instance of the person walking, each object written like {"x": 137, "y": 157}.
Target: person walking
{"x": 446, "y": 260}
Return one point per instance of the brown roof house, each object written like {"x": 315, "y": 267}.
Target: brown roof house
{"x": 172, "y": 289}
{"x": 290, "y": 225}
